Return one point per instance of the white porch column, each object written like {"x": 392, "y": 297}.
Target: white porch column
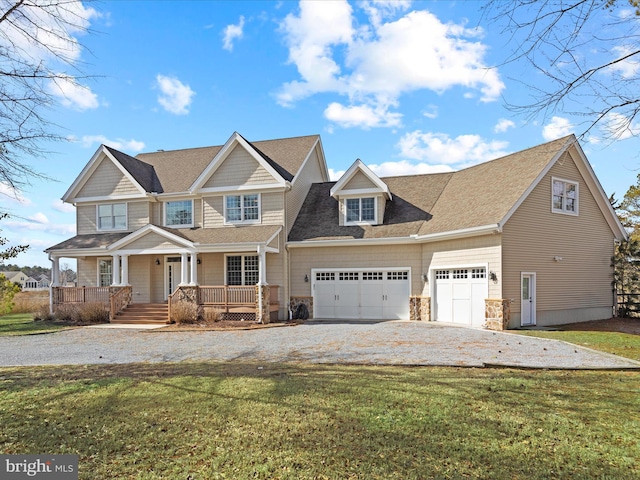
{"x": 125, "y": 269}
{"x": 115, "y": 270}
{"x": 194, "y": 269}
{"x": 262, "y": 262}
{"x": 184, "y": 270}
{"x": 55, "y": 271}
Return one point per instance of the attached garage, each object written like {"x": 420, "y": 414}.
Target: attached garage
{"x": 359, "y": 294}
{"x": 460, "y": 295}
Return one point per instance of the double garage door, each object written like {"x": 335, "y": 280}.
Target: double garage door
{"x": 361, "y": 294}
{"x": 460, "y": 295}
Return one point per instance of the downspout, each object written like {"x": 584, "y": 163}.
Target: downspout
{"x": 51, "y": 287}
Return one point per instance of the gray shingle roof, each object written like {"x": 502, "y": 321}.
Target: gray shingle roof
{"x": 93, "y": 240}
{"x": 144, "y": 173}
{"x": 433, "y": 203}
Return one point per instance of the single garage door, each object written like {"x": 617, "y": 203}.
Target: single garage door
{"x": 460, "y": 294}
{"x": 361, "y": 294}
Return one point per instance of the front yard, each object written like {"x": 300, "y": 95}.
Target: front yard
{"x": 208, "y": 421}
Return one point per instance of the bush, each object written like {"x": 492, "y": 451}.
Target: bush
{"x": 211, "y": 315}
{"x": 82, "y": 313}
{"x": 184, "y": 312}
{"x": 43, "y": 314}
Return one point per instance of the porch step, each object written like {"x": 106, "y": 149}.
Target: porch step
{"x": 144, "y": 313}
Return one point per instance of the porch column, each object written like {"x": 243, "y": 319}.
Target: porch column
{"x": 184, "y": 271}
{"x": 55, "y": 271}
{"x": 125, "y": 269}
{"x": 194, "y": 269}
{"x": 262, "y": 263}
{"x": 115, "y": 270}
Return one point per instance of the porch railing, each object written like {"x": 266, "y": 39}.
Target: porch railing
{"x": 118, "y": 301}
{"x": 61, "y": 295}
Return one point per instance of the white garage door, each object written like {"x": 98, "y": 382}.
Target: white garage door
{"x": 361, "y": 294}
{"x": 460, "y": 294}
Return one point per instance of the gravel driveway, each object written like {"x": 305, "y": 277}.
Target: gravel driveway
{"x": 390, "y": 343}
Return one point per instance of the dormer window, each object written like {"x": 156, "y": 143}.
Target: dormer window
{"x": 178, "y": 214}
{"x": 564, "y": 197}
{"x": 361, "y": 210}
{"x": 242, "y": 208}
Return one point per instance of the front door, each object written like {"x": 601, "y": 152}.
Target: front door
{"x": 528, "y": 299}
{"x": 173, "y": 274}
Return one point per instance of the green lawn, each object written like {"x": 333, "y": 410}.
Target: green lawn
{"x": 23, "y": 324}
{"x": 209, "y": 421}
{"x": 623, "y": 344}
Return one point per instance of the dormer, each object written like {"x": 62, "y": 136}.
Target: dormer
{"x": 361, "y": 196}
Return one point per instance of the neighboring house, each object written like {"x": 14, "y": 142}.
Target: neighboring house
{"x": 40, "y": 283}
{"x": 16, "y": 277}
{"x": 522, "y": 240}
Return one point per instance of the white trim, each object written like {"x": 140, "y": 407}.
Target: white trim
{"x": 109, "y": 198}
{"x": 361, "y": 192}
{"x": 242, "y": 221}
{"x": 126, "y": 217}
{"x": 361, "y": 222}
{"x": 244, "y": 188}
{"x": 358, "y": 165}
{"x": 323, "y": 167}
{"x": 533, "y": 287}
{"x": 563, "y": 211}
{"x": 98, "y": 259}
{"x": 151, "y": 228}
{"x": 185, "y": 225}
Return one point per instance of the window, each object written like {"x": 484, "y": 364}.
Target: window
{"x": 242, "y": 208}
{"x": 105, "y": 275}
{"x": 178, "y": 214}
{"x": 325, "y": 277}
{"x": 243, "y": 269}
{"x": 564, "y": 197}
{"x": 112, "y": 216}
{"x": 361, "y": 210}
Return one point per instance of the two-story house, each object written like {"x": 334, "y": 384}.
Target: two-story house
{"x": 521, "y": 240}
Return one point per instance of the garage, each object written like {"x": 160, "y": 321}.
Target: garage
{"x": 380, "y": 294}
{"x": 460, "y": 295}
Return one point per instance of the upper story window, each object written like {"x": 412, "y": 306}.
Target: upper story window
{"x": 242, "y": 208}
{"x": 112, "y": 216}
{"x": 178, "y": 214}
{"x": 361, "y": 210}
{"x": 564, "y": 196}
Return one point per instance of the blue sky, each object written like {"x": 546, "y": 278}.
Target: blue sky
{"x": 407, "y": 87}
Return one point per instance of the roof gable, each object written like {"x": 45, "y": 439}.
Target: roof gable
{"x": 363, "y": 179}
{"x": 240, "y": 168}
{"x": 151, "y": 238}
{"x": 104, "y": 176}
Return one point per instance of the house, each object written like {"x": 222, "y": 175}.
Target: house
{"x": 41, "y": 282}
{"x": 16, "y": 277}
{"x": 258, "y": 228}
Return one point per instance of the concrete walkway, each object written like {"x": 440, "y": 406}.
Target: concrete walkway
{"x": 382, "y": 343}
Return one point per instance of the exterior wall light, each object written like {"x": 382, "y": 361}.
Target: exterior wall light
{"x": 157, "y": 261}
{"x": 493, "y": 277}
{"x": 306, "y": 279}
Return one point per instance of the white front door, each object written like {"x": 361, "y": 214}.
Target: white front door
{"x": 173, "y": 274}
{"x": 528, "y": 299}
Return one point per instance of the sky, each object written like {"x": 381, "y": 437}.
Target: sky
{"x": 407, "y": 87}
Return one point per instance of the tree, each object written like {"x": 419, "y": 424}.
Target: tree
{"x": 10, "y": 252}
{"x": 7, "y": 291}
{"x": 39, "y": 53}
{"x": 628, "y": 210}
{"x": 586, "y": 54}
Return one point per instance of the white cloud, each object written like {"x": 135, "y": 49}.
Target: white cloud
{"x": 378, "y": 10}
{"x": 440, "y": 149}
{"x": 628, "y": 68}
{"x": 503, "y": 125}
{"x": 62, "y": 207}
{"x": 432, "y": 112}
{"x": 176, "y": 96}
{"x": 377, "y": 63}
{"x": 40, "y": 223}
{"x": 364, "y": 116}
{"x": 13, "y": 195}
{"x": 558, "y": 127}
{"x": 619, "y": 127}
{"x": 404, "y": 167}
{"x": 232, "y": 32}
{"x": 72, "y": 94}
{"x": 132, "y": 145}
{"x": 335, "y": 174}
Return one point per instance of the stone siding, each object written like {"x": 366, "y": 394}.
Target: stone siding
{"x": 295, "y": 301}
{"x": 420, "y": 309}
{"x": 497, "y": 313}
{"x": 263, "y": 315}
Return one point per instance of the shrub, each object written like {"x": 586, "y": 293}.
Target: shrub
{"x": 7, "y": 291}
{"x": 184, "y": 312}
{"x": 42, "y": 313}
{"x": 212, "y": 315}
{"x": 30, "y": 302}
{"x": 82, "y": 313}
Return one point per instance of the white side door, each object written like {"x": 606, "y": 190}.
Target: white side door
{"x": 173, "y": 274}
{"x": 527, "y": 299}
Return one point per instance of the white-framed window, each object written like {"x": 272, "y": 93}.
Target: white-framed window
{"x": 105, "y": 272}
{"x": 112, "y": 216}
{"x": 178, "y": 214}
{"x": 242, "y": 208}
{"x": 242, "y": 269}
{"x": 361, "y": 210}
{"x": 564, "y": 196}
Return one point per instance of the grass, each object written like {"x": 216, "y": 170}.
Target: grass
{"x": 23, "y": 324}
{"x": 211, "y": 421}
{"x": 622, "y": 344}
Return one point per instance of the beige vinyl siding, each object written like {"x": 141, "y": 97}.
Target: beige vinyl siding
{"x": 381, "y": 204}
{"x": 156, "y": 279}
{"x": 197, "y": 212}
{"x": 467, "y": 252}
{"x": 533, "y": 236}
{"x": 86, "y": 219}
{"x": 87, "y": 215}
{"x": 272, "y": 208}
{"x": 87, "y": 271}
{"x": 151, "y": 241}
{"x": 359, "y": 181}
{"x": 302, "y": 260}
{"x": 140, "y": 277}
{"x": 107, "y": 180}
{"x": 310, "y": 173}
{"x": 138, "y": 215}
{"x": 239, "y": 168}
{"x": 213, "y": 211}
{"x": 211, "y": 270}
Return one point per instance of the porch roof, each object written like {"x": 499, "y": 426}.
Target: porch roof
{"x": 95, "y": 240}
